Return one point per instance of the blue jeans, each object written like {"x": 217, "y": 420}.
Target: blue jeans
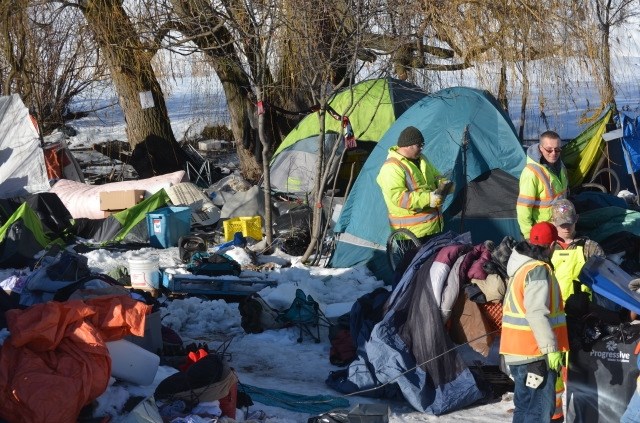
{"x": 632, "y": 415}
{"x": 533, "y": 405}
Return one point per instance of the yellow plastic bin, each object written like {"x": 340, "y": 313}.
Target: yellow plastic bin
{"x": 249, "y": 226}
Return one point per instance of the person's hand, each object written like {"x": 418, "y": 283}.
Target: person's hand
{"x": 435, "y": 200}
{"x": 445, "y": 187}
{"x": 555, "y": 360}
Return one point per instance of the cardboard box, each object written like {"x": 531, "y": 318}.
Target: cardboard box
{"x": 120, "y": 200}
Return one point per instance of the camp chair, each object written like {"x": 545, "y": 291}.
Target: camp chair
{"x": 304, "y": 313}
{"x": 199, "y": 169}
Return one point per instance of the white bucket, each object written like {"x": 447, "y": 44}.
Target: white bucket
{"x": 145, "y": 272}
{"x": 132, "y": 363}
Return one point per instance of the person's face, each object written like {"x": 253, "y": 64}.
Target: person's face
{"x": 566, "y": 231}
{"x": 550, "y": 149}
{"x": 412, "y": 151}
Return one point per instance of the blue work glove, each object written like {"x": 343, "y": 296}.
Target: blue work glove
{"x": 555, "y": 360}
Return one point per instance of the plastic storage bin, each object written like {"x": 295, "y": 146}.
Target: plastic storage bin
{"x": 132, "y": 363}
{"x": 249, "y": 226}
{"x": 167, "y": 225}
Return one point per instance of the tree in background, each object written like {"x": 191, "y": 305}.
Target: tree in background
{"x": 46, "y": 59}
{"x": 610, "y": 14}
{"x": 139, "y": 92}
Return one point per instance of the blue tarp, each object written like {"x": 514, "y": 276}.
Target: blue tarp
{"x": 609, "y": 280}
{"x": 631, "y": 142}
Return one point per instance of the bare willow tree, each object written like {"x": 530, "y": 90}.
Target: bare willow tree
{"x": 114, "y": 39}
{"x": 257, "y": 25}
{"x": 46, "y": 59}
{"x": 610, "y": 14}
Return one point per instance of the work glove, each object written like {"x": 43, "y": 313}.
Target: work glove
{"x": 555, "y": 360}
{"x": 435, "y": 200}
{"x": 445, "y": 187}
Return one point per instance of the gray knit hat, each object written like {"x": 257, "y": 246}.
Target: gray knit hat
{"x": 410, "y": 136}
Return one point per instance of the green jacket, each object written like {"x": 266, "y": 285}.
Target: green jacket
{"x": 406, "y": 189}
{"x": 539, "y": 188}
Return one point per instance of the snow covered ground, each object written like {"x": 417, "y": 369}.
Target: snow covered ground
{"x": 274, "y": 359}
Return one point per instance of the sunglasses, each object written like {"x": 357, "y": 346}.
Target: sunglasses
{"x": 552, "y": 150}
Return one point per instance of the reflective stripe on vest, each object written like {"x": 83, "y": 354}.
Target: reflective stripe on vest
{"x": 549, "y": 195}
{"x": 407, "y": 221}
{"x": 558, "y": 412}
{"x": 567, "y": 265}
{"x": 517, "y": 337}
{"x": 416, "y": 219}
{"x": 409, "y": 182}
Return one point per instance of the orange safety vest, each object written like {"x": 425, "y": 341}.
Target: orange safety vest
{"x": 517, "y": 337}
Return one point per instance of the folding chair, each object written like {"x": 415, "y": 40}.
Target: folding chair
{"x": 199, "y": 168}
{"x": 304, "y": 313}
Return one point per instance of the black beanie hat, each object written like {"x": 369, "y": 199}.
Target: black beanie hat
{"x": 410, "y": 136}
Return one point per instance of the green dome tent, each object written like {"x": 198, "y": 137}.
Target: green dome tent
{"x": 372, "y": 106}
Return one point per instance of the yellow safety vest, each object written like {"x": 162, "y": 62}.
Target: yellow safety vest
{"x": 539, "y": 188}
{"x": 567, "y": 265}
{"x": 408, "y": 207}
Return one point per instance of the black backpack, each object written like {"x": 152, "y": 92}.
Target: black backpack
{"x": 257, "y": 315}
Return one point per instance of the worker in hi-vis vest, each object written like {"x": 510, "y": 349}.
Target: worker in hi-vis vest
{"x": 534, "y": 328}
{"x": 410, "y": 187}
{"x": 543, "y": 180}
{"x": 570, "y": 253}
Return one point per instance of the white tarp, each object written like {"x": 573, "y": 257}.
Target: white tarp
{"x": 83, "y": 200}
{"x": 22, "y": 165}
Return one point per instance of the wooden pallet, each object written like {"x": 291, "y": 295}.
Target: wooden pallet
{"x": 218, "y": 285}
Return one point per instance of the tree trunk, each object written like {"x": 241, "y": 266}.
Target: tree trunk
{"x": 268, "y": 225}
{"x": 316, "y": 195}
{"x": 608, "y": 92}
{"x": 525, "y": 98}
{"x": 131, "y": 71}
{"x": 502, "y": 87}
{"x": 155, "y": 150}
{"x": 207, "y": 31}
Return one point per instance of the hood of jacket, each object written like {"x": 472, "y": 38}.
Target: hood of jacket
{"x": 533, "y": 152}
{"x": 522, "y": 253}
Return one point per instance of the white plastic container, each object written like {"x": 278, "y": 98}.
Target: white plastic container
{"x": 132, "y": 363}
{"x": 145, "y": 272}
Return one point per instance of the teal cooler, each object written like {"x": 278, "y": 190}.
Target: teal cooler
{"x": 167, "y": 225}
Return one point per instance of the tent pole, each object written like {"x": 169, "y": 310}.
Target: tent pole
{"x": 465, "y": 144}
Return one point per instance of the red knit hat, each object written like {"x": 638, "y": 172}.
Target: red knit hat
{"x": 543, "y": 234}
